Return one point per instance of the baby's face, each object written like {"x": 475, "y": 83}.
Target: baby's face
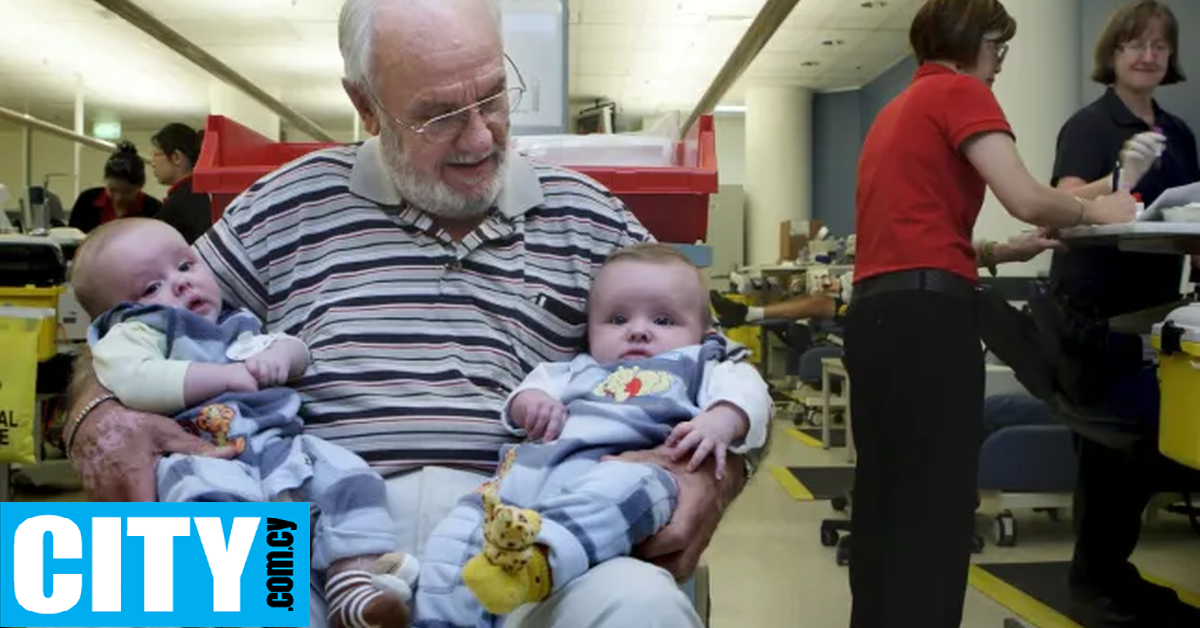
{"x": 152, "y": 264}
{"x": 640, "y": 309}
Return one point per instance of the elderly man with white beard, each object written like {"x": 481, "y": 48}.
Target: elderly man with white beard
{"x": 429, "y": 270}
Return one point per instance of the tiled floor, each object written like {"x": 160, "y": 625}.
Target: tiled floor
{"x": 769, "y": 569}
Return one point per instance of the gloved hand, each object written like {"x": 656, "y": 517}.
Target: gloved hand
{"x": 1138, "y": 155}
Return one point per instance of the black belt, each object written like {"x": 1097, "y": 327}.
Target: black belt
{"x": 923, "y": 280}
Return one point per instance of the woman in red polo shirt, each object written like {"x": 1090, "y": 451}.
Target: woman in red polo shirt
{"x": 120, "y": 197}
{"x": 912, "y": 343}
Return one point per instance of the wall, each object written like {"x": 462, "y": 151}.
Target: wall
{"x": 1182, "y": 99}
{"x": 840, "y": 122}
{"x": 837, "y": 137}
{"x": 731, "y": 148}
{"x": 877, "y": 93}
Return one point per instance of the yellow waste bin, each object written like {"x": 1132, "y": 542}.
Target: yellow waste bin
{"x": 1177, "y": 341}
{"x": 20, "y": 329}
{"x": 37, "y": 298}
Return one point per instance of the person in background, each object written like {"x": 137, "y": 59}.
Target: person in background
{"x": 926, "y": 163}
{"x": 121, "y": 195}
{"x": 176, "y": 150}
{"x": 1124, "y": 138}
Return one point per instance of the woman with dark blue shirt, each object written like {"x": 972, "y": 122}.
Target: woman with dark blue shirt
{"x": 1125, "y": 139}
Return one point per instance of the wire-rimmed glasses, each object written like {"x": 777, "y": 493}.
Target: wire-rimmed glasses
{"x": 447, "y": 126}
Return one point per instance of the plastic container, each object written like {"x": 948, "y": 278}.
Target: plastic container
{"x": 44, "y": 300}
{"x": 598, "y": 150}
{"x": 670, "y": 200}
{"x": 1177, "y": 341}
{"x": 233, "y": 157}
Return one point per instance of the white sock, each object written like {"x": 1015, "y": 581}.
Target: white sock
{"x": 754, "y": 314}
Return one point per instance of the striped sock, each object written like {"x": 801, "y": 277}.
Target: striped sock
{"x": 351, "y": 599}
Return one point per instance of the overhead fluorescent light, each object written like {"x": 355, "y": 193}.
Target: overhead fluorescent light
{"x": 729, "y": 109}
{"x": 106, "y": 129}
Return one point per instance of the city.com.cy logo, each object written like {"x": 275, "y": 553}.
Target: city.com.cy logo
{"x": 154, "y": 564}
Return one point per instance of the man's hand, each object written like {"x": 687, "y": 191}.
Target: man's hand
{"x": 116, "y": 449}
{"x": 702, "y": 500}
{"x": 539, "y": 414}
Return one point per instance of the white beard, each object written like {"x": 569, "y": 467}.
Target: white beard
{"x": 434, "y": 196}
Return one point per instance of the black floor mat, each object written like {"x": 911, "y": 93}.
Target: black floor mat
{"x": 1044, "y": 582}
{"x": 825, "y": 482}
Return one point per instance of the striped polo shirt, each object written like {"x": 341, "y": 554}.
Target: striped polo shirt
{"x": 416, "y": 339}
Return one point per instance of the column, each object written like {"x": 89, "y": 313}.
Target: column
{"x": 230, "y": 102}
{"x": 778, "y": 177}
{"x": 76, "y": 174}
{"x": 1038, "y": 88}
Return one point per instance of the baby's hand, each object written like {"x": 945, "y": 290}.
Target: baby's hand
{"x": 240, "y": 379}
{"x": 539, "y": 414}
{"x": 710, "y": 432}
{"x": 269, "y": 368}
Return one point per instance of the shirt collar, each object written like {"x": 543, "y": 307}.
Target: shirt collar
{"x": 930, "y": 68}
{"x": 369, "y": 179}
{"x": 102, "y": 199}
{"x": 178, "y": 184}
{"x": 1121, "y": 114}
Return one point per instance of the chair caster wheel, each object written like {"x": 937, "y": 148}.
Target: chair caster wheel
{"x": 829, "y": 536}
{"x": 843, "y": 552}
{"x": 840, "y": 503}
{"x": 1006, "y": 530}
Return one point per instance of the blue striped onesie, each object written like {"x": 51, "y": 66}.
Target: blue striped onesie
{"x": 591, "y": 511}
{"x": 278, "y": 460}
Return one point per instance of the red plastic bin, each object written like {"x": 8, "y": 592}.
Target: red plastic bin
{"x": 672, "y": 202}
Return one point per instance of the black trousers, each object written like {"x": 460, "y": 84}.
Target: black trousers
{"x": 1112, "y": 491}
{"x": 917, "y": 383}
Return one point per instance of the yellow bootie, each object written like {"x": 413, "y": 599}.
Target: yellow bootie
{"x": 511, "y": 570}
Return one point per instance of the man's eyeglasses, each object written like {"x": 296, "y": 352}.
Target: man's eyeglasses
{"x": 446, "y": 127}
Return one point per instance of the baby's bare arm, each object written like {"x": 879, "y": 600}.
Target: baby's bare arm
{"x": 205, "y": 381}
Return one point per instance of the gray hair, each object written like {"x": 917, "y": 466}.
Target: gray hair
{"x": 356, "y": 35}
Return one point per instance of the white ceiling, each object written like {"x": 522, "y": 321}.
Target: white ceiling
{"x": 647, "y": 55}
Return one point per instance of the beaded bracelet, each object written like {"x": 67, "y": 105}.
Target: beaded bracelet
{"x": 73, "y": 426}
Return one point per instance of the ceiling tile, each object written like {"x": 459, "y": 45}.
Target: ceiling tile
{"x": 592, "y": 86}
{"x": 896, "y": 15}
{"x": 616, "y": 63}
{"x": 885, "y": 42}
{"x": 214, "y": 31}
{"x": 669, "y": 39}
{"x": 612, "y": 12}
{"x": 606, "y": 37}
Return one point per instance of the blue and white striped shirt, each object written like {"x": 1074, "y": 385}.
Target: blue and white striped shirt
{"x": 416, "y": 338}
